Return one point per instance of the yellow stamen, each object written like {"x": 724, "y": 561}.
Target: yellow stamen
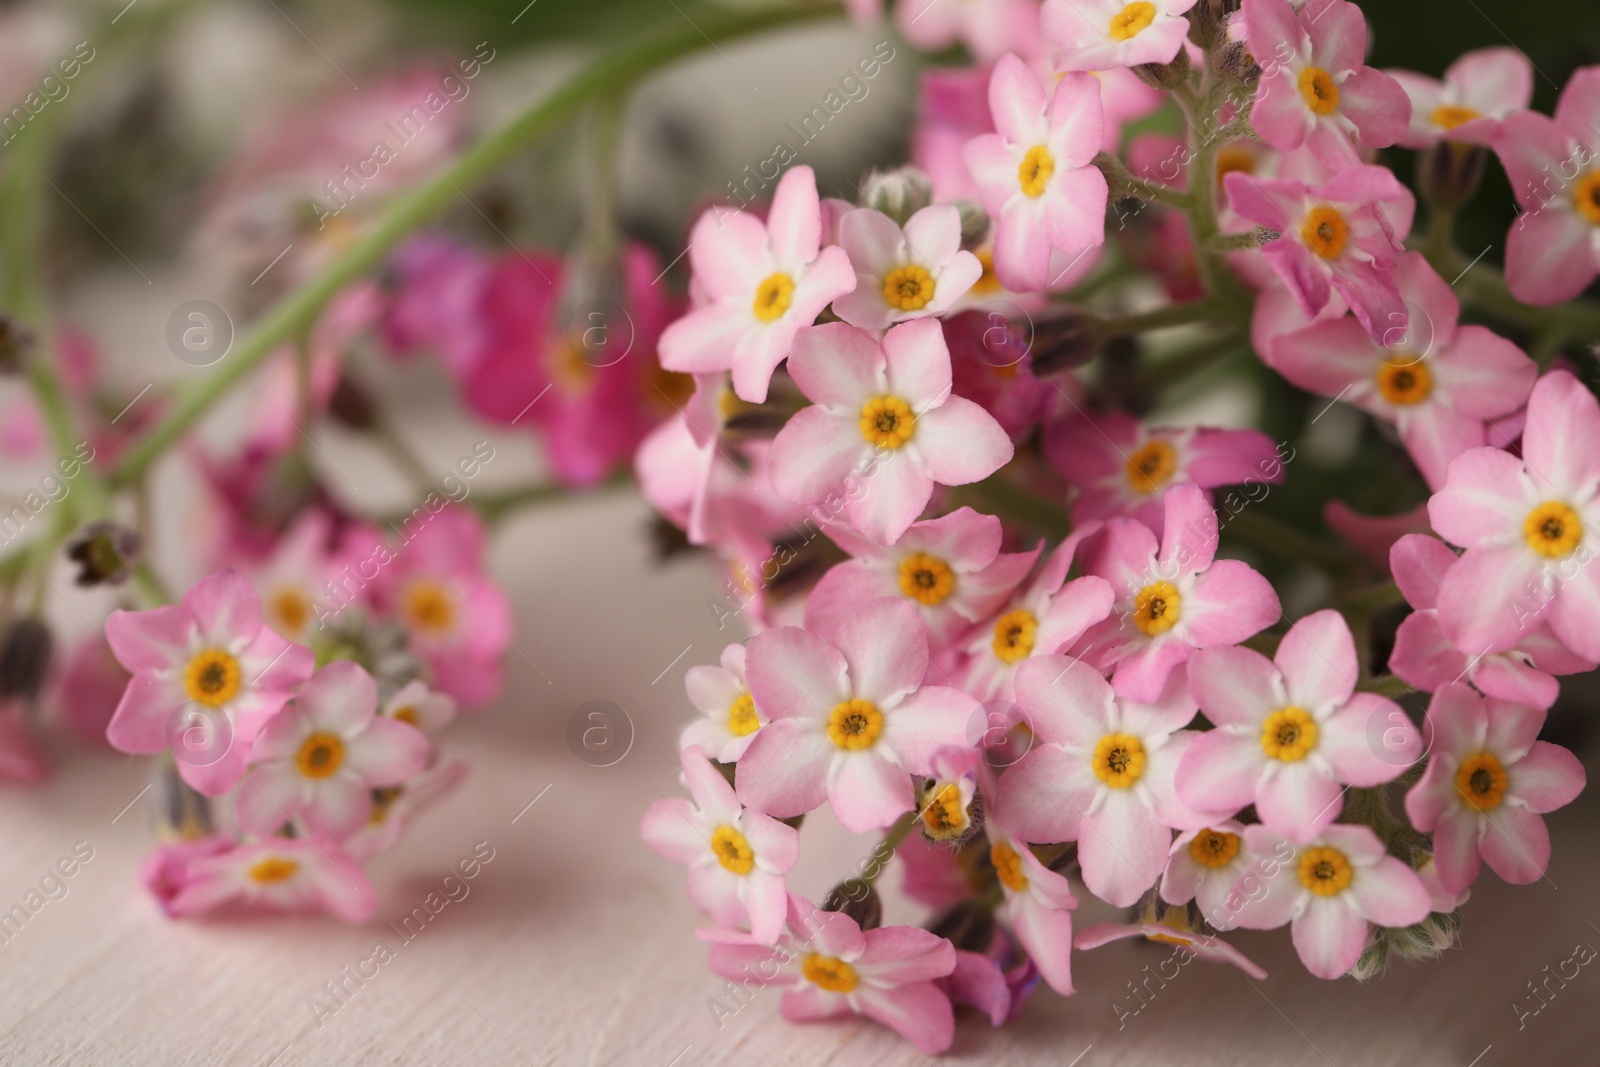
{"x": 1132, "y": 20}
{"x": 908, "y": 288}
{"x": 943, "y": 813}
{"x": 742, "y": 721}
{"x": 1481, "y": 781}
{"x": 1325, "y": 231}
{"x": 1325, "y": 871}
{"x": 887, "y": 421}
{"x": 988, "y": 281}
{"x": 1119, "y": 760}
{"x": 1214, "y": 848}
{"x": 773, "y": 297}
{"x": 1014, "y": 635}
{"x": 926, "y": 579}
{"x": 1157, "y": 608}
{"x": 732, "y": 850}
{"x": 855, "y": 724}
{"x": 1008, "y": 865}
{"x": 1037, "y": 167}
{"x": 1151, "y": 465}
{"x": 273, "y": 869}
{"x": 407, "y": 715}
{"x": 382, "y": 801}
{"x": 320, "y": 755}
{"x": 429, "y": 608}
{"x": 1230, "y": 160}
{"x": 1404, "y": 379}
{"x": 291, "y": 609}
{"x": 1586, "y": 196}
{"x": 1553, "y": 529}
{"x": 1449, "y": 116}
{"x": 1318, "y": 91}
{"x": 829, "y": 972}
{"x": 212, "y": 678}
{"x": 1289, "y": 734}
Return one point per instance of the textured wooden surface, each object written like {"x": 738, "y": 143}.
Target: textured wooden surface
{"x": 575, "y": 944}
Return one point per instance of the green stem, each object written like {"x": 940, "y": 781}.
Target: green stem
{"x": 1123, "y": 183}
{"x": 1386, "y": 685}
{"x": 1279, "y": 538}
{"x": 613, "y": 72}
{"x": 886, "y": 848}
{"x": 1161, "y": 318}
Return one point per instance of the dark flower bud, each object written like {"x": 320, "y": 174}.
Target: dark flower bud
{"x": 856, "y": 898}
{"x": 1208, "y": 21}
{"x": 1165, "y": 76}
{"x": 16, "y": 343}
{"x": 667, "y": 541}
{"x": 24, "y": 659}
{"x": 105, "y": 553}
{"x": 350, "y": 405}
{"x": 974, "y": 223}
{"x": 968, "y": 926}
{"x": 1236, "y": 66}
{"x": 1062, "y": 343}
{"x": 1449, "y": 173}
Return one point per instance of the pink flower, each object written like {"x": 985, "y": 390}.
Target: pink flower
{"x": 207, "y": 677}
{"x": 730, "y": 716}
{"x": 883, "y": 417}
{"x": 983, "y": 980}
{"x": 1173, "y": 931}
{"x": 1437, "y": 382}
{"x": 164, "y": 872}
{"x": 913, "y": 274}
{"x": 1315, "y": 86}
{"x": 277, "y": 874}
{"x": 1334, "y": 238}
{"x": 394, "y": 808}
{"x": 1203, "y": 866}
{"x": 1100, "y": 34}
{"x": 291, "y": 579}
{"x": 1120, "y": 467}
{"x": 437, "y": 302}
{"x": 1488, "y": 781}
{"x": 1038, "y": 905}
{"x": 1373, "y": 535}
{"x": 761, "y": 282}
{"x": 1552, "y": 251}
{"x": 1528, "y": 527}
{"x": 1479, "y": 89}
{"x": 950, "y": 569}
{"x": 1290, "y": 730}
{"x": 1036, "y": 175}
{"x": 737, "y": 857}
{"x": 1170, "y": 601}
{"x": 416, "y": 705}
{"x": 989, "y": 28}
{"x": 1330, "y": 889}
{"x": 89, "y": 688}
{"x": 828, "y": 967}
{"x": 1048, "y": 615}
{"x": 851, "y": 719}
{"x": 1100, "y": 773}
{"x": 320, "y": 759}
{"x": 20, "y": 758}
{"x": 458, "y": 620}
{"x": 1426, "y": 659}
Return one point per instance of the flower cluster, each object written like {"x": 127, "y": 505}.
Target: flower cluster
{"x": 889, "y": 411}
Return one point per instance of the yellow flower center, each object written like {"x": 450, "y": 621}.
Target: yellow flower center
{"x": 742, "y": 721}
{"x": 382, "y": 801}
{"x": 1214, "y": 848}
{"x": 1014, "y": 635}
{"x": 1586, "y": 196}
{"x": 1157, "y": 608}
{"x": 1325, "y": 231}
{"x": 1481, "y": 781}
{"x": 855, "y": 724}
{"x": 943, "y": 814}
{"x": 988, "y": 281}
{"x": 1404, "y": 379}
{"x": 429, "y": 608}
{"x": 1008, "y": 865}
{"x": 212, "y": 678}
{"x": 1318, "y": 91}
{"x": 407, "y": 715}
{"x": 320, "y": 755}
{"x": 1151, "y": 465}
{"x": 908, "y": 288}
{"x": 1230, "y": 160}
{"x": 273, "y": 869}
{"x": 926, "y": 579}
{"x": 1449, "y": 116}
{"x": 1288, "y": 734}
{"x": 887, "y": 421}
{"x": 1128, "y": 22}
{"x": 732, "y": 850}
{"x": 570, "y": 365}
{"x": 829, "y": 972}
{"x": 1553, "y": 529}
{"x": 773, "y": 297}
{"x": 1119, "y": 760}
{"x": 291, "y": 609}
{"x": 1325, "y": 871}
{"x": 1034, "y": 173}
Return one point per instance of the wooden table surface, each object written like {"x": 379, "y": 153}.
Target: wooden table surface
{"x": 575, "y": 944}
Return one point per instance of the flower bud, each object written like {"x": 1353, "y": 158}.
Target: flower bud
{"x": 1236, "y": 66}
{"x": 1165, "y": 76}
{"x": 1062, "y": 343}
{"x": 105, "y": 553}
{"x": 16, "y": 343}
{"x": 856, "y": 898}
{"x": 1208, "y": 21}
{"x": 968, "y": 926}
{"x": 974, "y": 223}
{"x": 351, "y": 406}
{"x": 24, "y": 659}
{"x": 1449, "y": 173}
{"x": 1374, "y": 961}
{"x": 898, "y": 193}
{"x": 942, "y": 815}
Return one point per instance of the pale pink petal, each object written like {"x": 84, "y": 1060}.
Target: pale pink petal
{"x": 784, "y": 772}
{"x": 1419, "y": 564}
{"x": 728, "y": 253}
{"x": 1550, "y": 255}
{"x": 1515, "y": 844}
{"x": 1235, "y": 686}
{"x": 670, "y": 827}
{"x": 1561, "y": 444}
{"x": 918, "y": 362}
{"x": 225, "y": 606}
{"x": 897, "y": 491}
{"x": 1299, "y": 800}
{"x": 1042, "y": 798}
{"x": 1484, "y": 499}
{"x": 1122, "y": 847}
{"x": 1369, "y": 741}
{"x": 1046, "y": 933}
{"x": 932, "y": 718}
{"x": 1318, "y": 660}
{"x": 1017, "y": 101}
{"x": 959, "y": 441}
{"x": 1547, "y": 778}
{"x": 1376, "y": 104}
{"x": 795, "y": 674}
{"x": 1484, "y": 603}
{"x": 1064, "y": 700}
{"x": 868, "y": 792}
{"x": 836, "y": 365}
{"x": 814, "y": 453}
{"x": 795, "y": 220}
{"x": 387, "y": 752}
{"x": 1220, "y": 770}
{"x": 341, "y": 806}
{"x": 920, "y": 1012}
{"x": 1229, "y": 602}
{"x": 1330, "y": 936}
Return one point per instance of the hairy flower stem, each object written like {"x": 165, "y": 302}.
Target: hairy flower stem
{"x": 884, "y": 852}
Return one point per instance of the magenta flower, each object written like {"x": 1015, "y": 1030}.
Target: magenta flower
{"x": 1552, "y": 250}
{"x": 1207, "y": 947}
{"x": 1120, "y": 467}
{"x": 761, "y": 282}
{"x": 1101, "y": 34}
{"x": 1488, "y": 781}
{"x": 207, "y": 678}
{"x": 1425, "y": 659}
{"x": 1478, "y": 90}
{"x": 950, "y": 569}
{"x": 1100, "y": 772}
{"x": 737, "y": 857}
{"x": 1038, "y": 905}
{"x": 1173, "y": 599}
{"x": 320, "y": 759}
{"x": 1439, "y": 383}
{"x": 278, "y": 874}
{"x": 1290, "y": 730}
{"x": 851, "y": 719}
{"x": 1316, "y": 88}
{"x": 1329, "y": 888}
{"x": 1035, "y": 175}
{"x": 1529, "y": 528}
{"x": 1333, "y": 238}
{"x": 913, "y": 274}
{"x": 437, "y": 302}
{"x": 883, "y": 420}
{"x": 1203, "y": 866}
{"x": 730, "y": 717}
